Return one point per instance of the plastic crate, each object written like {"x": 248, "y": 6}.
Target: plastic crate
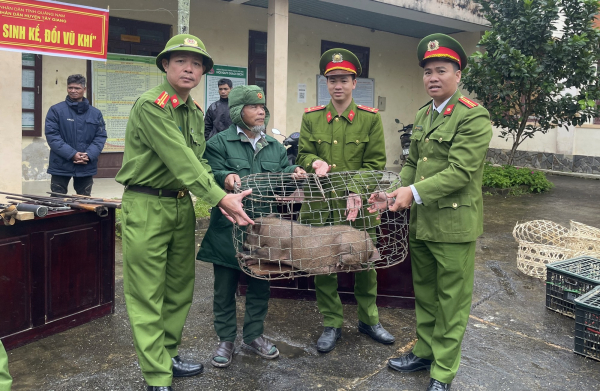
{"x": 587, "y": 324}
{"x": 567, "y": 280}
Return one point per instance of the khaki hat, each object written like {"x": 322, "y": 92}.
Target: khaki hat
{"x": 185, "y": 43}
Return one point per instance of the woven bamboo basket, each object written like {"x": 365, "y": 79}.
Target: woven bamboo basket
{"x": 582, "y": 245}
{"x": 580, "y": 229}
{"x": 540, "y": 242}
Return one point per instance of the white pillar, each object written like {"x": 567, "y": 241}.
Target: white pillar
{"x": 277, "y": 63}
{"x": 11, "y": 129}
{"x": 183, "y": 16}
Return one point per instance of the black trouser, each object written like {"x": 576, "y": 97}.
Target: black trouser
{"x": 82, "y": 184}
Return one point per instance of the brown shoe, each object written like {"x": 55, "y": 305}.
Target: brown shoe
{"x": 224, "y": 351}
{"x": 263, "y": 347}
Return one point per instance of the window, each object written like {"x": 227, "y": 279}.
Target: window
{"x": 257, "y": 59}
{"x": 31, "y": 94}
{"x": 361, "y": 52}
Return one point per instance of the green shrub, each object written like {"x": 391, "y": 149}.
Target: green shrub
{"x": 511, "y": 177}
{"x": 201, "y": 209}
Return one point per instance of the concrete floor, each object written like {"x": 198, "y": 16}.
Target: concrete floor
{"x": 512, "y": 341}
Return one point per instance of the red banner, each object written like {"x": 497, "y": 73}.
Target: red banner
{"x": 53, "y": 28}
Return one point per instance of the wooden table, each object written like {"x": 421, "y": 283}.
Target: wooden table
{"x": 56, "y": 272}
{"x": 394, "y": 284}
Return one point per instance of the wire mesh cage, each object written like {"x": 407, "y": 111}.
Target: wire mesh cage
{"x": 302, "y": 228}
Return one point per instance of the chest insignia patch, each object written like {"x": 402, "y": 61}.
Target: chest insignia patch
{"x": 468, "y": 102}
{"x": 351, "y": 115}
{"x": 329, "y": 117}
{"x": 315, "y": 108}
{"x": 418, "y": 128}
{"x": 367, "y": 108}
{"x": 175, "y": 101}
{"x": 448, "y": 110}
{"x": 162, "y": 99}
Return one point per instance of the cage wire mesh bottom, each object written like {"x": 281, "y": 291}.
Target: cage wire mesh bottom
{"x": 302, "y": 229}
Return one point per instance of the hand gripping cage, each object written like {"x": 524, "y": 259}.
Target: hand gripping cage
{"x": 302, "y": 228}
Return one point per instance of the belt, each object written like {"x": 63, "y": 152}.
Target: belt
{"x": 158, "y": 192}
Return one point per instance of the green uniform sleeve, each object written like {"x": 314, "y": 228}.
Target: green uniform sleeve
{"x": 465, "y": 156}
{"x": 216, "y": 156}
{"x": 307, "y": 152}
{"x": 160, "y": 133}
{"x": 284, "y": 162}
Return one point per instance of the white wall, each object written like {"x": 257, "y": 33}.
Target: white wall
{"x": 224, "y": 27}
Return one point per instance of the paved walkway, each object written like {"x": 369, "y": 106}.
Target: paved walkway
{"x": 512, "y": 341}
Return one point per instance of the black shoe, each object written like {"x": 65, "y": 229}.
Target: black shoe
{"x": 185, "y": 369}
{"x": 327, "y": 340}
{"x": 436, "y": 385}
{"x": 159, "y": 388}
{"x": 409, "y": 363}
{"x": 377, "y": 332}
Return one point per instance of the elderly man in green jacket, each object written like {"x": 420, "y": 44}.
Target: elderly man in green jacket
{"x": 343, "y": 136}
{"x": 442, "y": 187}
{"x": 240, "y": 150}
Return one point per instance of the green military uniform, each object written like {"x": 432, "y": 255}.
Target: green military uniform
{"x": 230, "y": 152}
{"x": 5, "y": 379}
{"x": 352, "y": 141}
{"x": 164, "y": 144}
{"x": 445, "y": 166}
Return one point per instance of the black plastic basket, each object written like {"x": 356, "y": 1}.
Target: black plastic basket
{"x": 567, "y": 280}
{"x": 587, "y": 324}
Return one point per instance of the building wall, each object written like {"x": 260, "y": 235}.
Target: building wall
{"x": 224, "y": 27}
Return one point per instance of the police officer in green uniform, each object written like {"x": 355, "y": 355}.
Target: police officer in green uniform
{"x": 342, "y": 136}
{"x": 240, "y": 150}
{"x": 442, "y": 179}
{"x": 164, "y": 144}
{"x": 5, "y": 379}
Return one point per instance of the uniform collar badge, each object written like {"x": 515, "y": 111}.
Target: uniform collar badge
{"x": 351, "y": 115}
{"x": 329, "y": 117}
{"x": 175, "y": 101}
{"x": 433, "y": 45}
{"x": 337, "y": 57}
{"x": 190, "y": 42}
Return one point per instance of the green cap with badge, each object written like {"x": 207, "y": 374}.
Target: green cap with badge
{"x": 241, "y": 96}
{"x": 340, "y": 60}
{"x": 441, "y": 46}
{"x": 185, "y": 43}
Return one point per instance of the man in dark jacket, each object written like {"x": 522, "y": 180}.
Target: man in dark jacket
{"x": 75, "y": 132}
{"x": 241, "y": 150}
{"x": 217, "y": 116}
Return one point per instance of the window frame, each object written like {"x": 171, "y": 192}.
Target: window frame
{"x": 37, "y": 90}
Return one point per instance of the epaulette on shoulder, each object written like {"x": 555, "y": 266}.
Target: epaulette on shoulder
{"x": 426, "y": 104}
{"x": 367, "y": 108}
{"x": 198, "y": 106}
{"x": 162, "y": 99}
{"x": 316, "y": 108}
{"x": 468, "y": 102}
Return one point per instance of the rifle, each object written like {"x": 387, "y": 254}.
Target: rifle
{"x": 100, "y": 209}
{"x": 110, "y": 203}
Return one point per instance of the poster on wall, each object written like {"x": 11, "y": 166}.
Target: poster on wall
{"x": 363, "y": 94}
{"x": 116, "y": 85}
{"x": 55, "y": 29}
{"x": 237, "y": 75}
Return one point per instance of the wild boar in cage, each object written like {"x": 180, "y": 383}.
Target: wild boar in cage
{"x": 313, "y": 225}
